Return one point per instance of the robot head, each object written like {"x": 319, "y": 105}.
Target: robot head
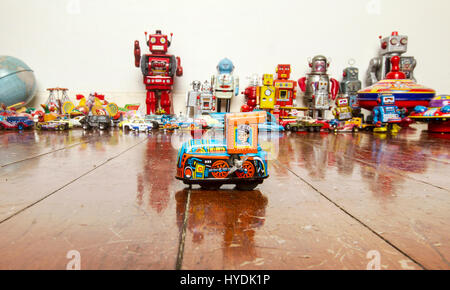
{"x": 394, "y": 43}
{"x": 319, "y": 64}
{"x": 350, "y": 74}
{"x": 253, "y": 80}
{"x": 386, "y": 99}
{"x": 283, "y": 71}
{"x": 158, "y": 43}
{"x": 225, "y": 66}
{"x": 268, "y": 79}
{"x": 206, "y": 87}
{"x": 196, "y": 85}
{"x": 342, "y": 102}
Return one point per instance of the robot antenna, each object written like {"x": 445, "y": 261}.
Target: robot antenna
{"x": 351, "y": 62}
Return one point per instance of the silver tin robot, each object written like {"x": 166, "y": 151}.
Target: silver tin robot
{"x": 192, "y": 99}
{"x": 225, "y": 85}
{"x": 392, "y": 45}
{"x": 318, "y": 87}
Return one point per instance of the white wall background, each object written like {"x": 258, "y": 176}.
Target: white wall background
{"x": 87, "y": 45}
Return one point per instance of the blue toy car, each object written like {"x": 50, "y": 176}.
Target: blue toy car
{"x": 16, "y": 122}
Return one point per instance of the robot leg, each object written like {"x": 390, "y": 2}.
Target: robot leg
{"x": 228, "y": 105}
{"x": 219, "y": 105}
{"x": 151, "y": 102}
{"x": 165, "y": 101}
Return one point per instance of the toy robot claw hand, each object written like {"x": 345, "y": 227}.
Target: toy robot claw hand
{"x": 179, "y": 67}
{"x": 137, "y": 54}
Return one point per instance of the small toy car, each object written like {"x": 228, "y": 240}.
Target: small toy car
{"x": 238, "y": 159}
{"x": 159, "y": 120}
{"x": 102, "y": 122}
{"x": 16, "y": 122}
{"x": 137, "y": 125}
{"x": 52, "y": 125}
{"x": 305, "y": 123}
{"x": 437, "y": 114}
{"x": 170, "y": 126}
{"x": 353, "y": 125}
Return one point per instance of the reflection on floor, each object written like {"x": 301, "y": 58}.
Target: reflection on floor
{"x": 331, "y": 202}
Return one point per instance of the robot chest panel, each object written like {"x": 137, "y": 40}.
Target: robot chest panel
{"x": 158, "y": 66}
{"x": 389, "y": 110}
{"x": 192, "y": 99}
{"x": 318, "y": 84}
{"x": 352, "y": 86}
{"x": 225, "y": 81}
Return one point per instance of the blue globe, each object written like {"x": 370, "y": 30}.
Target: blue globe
{"x": 17, "y": 81}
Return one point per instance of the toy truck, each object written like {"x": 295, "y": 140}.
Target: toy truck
{"x": 304, "y": 123}
{"x": 102, "y": 122}
{"x": 237, "y": 160}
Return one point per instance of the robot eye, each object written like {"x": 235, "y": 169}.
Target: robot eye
{"x": 404, "y": 41}
{"x": 152, "y": 40}
{"x": 394, "y": 41}
{"x": 162, "y": 40}
{"x": 384, "y": 45}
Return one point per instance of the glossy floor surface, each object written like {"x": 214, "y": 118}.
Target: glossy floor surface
{"x": 331, "y": 202}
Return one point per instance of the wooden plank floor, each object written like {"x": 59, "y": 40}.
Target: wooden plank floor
{"x": 329, "y": 201}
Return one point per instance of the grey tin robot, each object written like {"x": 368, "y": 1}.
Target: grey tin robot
{"x": 392, "y": 45}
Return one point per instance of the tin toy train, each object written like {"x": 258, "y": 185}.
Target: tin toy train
{"x": 238, "y": 159}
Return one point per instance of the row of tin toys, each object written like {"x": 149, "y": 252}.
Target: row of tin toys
{"x": 276, "y": 96}
{"x": 60, "y": 113}
{"x": 54, "y": 115}
{"x": 208, "y": 97}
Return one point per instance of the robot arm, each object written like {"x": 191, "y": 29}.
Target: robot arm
{"x": 179, "y": 67}
{"x": 335, "y": 113}
{"x": 374, "y": 66}
{"x": 236, "y": 86}
{"x": 413, "y": 66}
{"x": 187, "y": 99}
{"x": 334, "y": 88}
{"x": 137, "y": 53}
{"x": 376, "y": 117}
{"x": 302, "y": 83}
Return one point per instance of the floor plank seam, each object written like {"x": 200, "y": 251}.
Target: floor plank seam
{"x": 180, "y": 254}
{"x": 356, "y": 219}
{"x": 70, "y": 182}
{"x": 47, "y": 153}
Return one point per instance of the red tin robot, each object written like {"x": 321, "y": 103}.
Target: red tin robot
{"x": 251, "y": 94}
{"x": 284, "y": 88}
{"x": 158, "y": 69}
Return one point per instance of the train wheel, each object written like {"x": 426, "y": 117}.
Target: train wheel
{"x": 287, "y": 127}
{"x": 247, "y": 170}
{"x": 221, "y": 166}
